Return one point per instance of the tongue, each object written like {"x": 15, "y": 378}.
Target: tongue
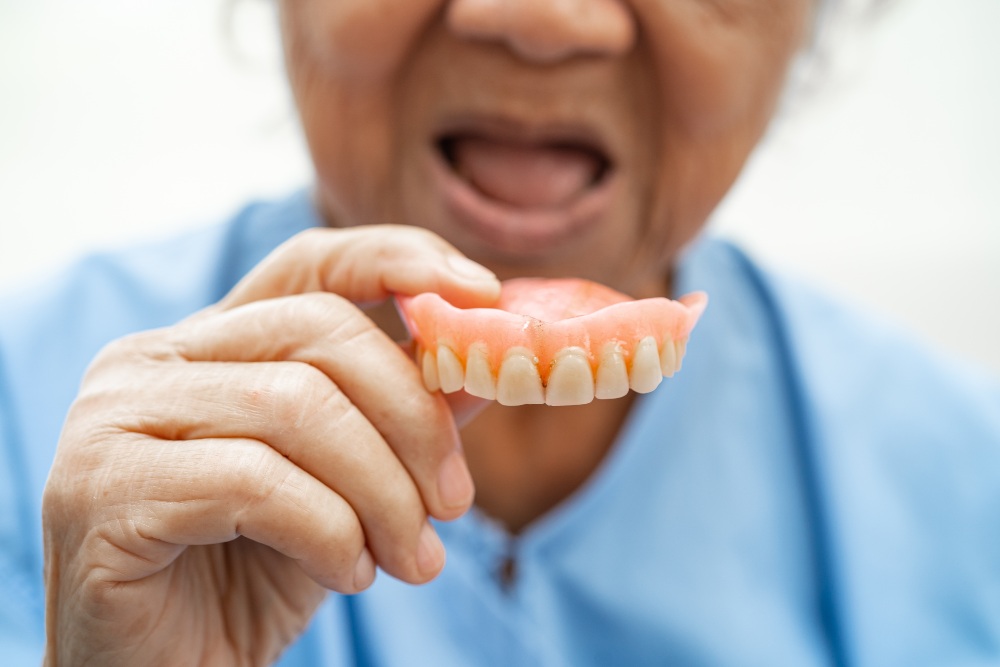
{"x": 522, "y": 175}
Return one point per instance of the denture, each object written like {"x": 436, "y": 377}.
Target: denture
{"x": 557, "y": 342}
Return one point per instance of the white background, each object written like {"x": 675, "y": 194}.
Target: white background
{"x": 123, "y": 120}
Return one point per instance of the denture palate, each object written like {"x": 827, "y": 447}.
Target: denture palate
{"x": 551, "y": 341}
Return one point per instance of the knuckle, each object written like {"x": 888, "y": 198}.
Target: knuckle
{"x": 256, "y": 475}
{"x": 409, "y": 233}
{"x": 319, "y": 312}
{"x": 57, "y": 503}
{"x": 132, "y": 349}
{"x": 426, "y": 432}
{"x": 346, "y": 533}
{"x": 99, "y": 591}
{"x": 91, "y": 471}
{"x": 290, "y": 394}
{"x": 409, "y": 241}
{"x": 332, "y": 318}
{"x": 399, "y": 501}
{"x": 305, "y": 240}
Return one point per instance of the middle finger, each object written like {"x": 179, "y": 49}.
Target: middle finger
{"x": 297, "y": 411}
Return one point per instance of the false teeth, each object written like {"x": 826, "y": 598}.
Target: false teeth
{"x": 479, "y": 379}
{"x": 518, "y": 382}
{"x": 668, "y": 359}
{"x": 612, "y": 374}
{"x": 645, "y": 374}
{"x": 428, "y": 365}
{"x": 451, "y": 376}
{"x": 557, "y": 341}
{"x": 572, "y": 378}
{"x": 681, "y": 347}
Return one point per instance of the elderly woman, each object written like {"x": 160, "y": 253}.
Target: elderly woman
{"x": 809, "y": 490}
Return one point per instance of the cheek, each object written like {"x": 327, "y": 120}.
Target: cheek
{"x": 358, "y": 40}
{"x": 722, "y": 63}
{"x": 343, "y": 59}
{"x": 722, "y": 69}
{"x": 720, "y": 76}
{"x": 347, "y": 141}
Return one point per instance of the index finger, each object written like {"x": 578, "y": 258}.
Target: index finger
{"x": 368, "y": 264}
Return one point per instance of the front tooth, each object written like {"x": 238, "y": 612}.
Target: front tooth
{"x": 428, "y": 365}
{"x": 612, "y": 375}
{"x": 571, "y": 382}
{"x": 518, "y": 382}
{"x": 449, "y": 368}
{"x": 479, "y": 380}
{"x": 645, "y": 375}
{"x": 668, "y": 358}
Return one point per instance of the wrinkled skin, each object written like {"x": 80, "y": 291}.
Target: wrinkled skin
{"x": 250, "y": 431}
{"x": 280, "y": 444}
{"x": 681, "y": 97}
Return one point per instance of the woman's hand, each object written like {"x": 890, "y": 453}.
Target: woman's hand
{"x": 214, "y": 478}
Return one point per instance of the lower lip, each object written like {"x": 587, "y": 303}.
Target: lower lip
{"x": 524, "y": 232}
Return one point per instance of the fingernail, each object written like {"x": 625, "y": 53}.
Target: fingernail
{"x": 430, "y": 552}
{"x": 465, "y": 267}
{"x": 364, "y": 571}
{"x": 455, "y": 487}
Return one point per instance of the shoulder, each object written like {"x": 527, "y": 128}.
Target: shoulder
{"x": 844, "y": 360}
{"x": 858, "y": 362}
{"x": 155, "y": 282}
{"x": 62, "y": 320}
{"x": 898, "y": 450}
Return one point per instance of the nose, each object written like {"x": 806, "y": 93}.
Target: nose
{"x": 547, "y": 31}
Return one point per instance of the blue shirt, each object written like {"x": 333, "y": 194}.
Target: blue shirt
{"x": 812, "y": 488}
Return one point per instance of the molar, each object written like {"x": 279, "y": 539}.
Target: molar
{"x": 479, "y": 379}
{"x": 612, "y": 375}
{"x": 571, "y": 381}
{"x": 518, "y": 382}
{"x": 645, "y": 375}
{"x": 449, "y": 368}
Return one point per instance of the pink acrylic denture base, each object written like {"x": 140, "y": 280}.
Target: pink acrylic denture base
{"x": 549, "y": 315}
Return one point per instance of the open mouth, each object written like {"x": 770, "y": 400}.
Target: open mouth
{"x": 523, "y": 191}
{"x": 524, "y": 174}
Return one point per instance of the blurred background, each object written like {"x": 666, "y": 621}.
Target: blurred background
{"x": 124, "y": 121}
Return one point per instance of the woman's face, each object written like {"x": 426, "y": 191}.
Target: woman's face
{"x": 586, "y": 138}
